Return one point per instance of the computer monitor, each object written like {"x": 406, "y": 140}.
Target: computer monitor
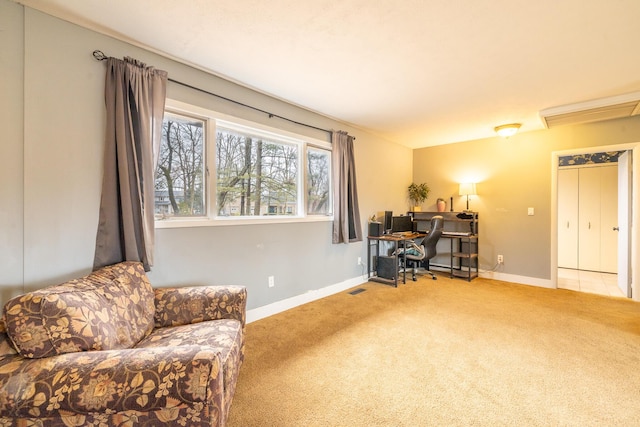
{"x": 401, "y": 223}
{"x": 388, "y": 215}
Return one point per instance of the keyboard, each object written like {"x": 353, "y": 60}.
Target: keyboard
{"x": 457, "y": 233}
{"x": 402, "y": 233}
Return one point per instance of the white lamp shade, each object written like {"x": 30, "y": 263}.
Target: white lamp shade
{"x": 467, "y": 189}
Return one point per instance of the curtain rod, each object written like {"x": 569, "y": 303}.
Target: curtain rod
{"x": 99, "y": 56}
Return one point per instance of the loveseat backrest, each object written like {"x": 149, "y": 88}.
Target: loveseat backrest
{"x": 111, "y": 308}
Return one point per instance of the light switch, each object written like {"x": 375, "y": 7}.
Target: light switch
{"x": 530, "y": 211}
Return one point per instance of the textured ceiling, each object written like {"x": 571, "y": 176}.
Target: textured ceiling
{"x": 417, "y": 72}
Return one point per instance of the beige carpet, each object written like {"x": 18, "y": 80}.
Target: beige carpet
{"x": 444, "y": 353}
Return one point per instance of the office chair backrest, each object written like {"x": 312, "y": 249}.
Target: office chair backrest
{"x": 429, "y": 243}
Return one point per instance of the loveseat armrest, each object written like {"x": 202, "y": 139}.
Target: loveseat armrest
{"x": 182, "y": 306}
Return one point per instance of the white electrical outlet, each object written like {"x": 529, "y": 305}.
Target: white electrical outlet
{"x": 272, "y": 281}
{"x": 500, "y": 259}
{"x": 359, "y": 260}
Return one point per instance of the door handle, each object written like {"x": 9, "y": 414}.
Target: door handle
{"x": 616, "y": 228}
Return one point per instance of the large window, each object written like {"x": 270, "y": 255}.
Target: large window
{"x": 213, "y": 168}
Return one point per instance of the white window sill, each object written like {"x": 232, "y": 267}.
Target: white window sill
{"x": 218, "y": 222}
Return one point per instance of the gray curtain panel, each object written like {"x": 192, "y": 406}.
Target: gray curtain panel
{"x": 135, "y": 98}
{"x": 346, "y": 213}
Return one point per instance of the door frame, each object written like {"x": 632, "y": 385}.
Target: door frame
{"x": 635, "y": 208}
{"x": 625, "y": 174}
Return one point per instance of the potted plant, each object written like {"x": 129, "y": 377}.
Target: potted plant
{"x": 418, "y": 193}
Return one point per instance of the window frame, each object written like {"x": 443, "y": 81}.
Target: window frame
{"x": 212, "y": 120}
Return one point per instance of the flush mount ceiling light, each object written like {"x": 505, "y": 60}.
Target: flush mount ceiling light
{"x": 506, "y": 131}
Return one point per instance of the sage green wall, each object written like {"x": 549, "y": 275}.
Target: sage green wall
{"x": 51, "y": 174}
{"x": 11, "y": 157}
{"x": 512, "y": 175}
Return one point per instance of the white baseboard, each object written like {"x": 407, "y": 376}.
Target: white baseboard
{"x": 289, "y": 303}
{"x": 523, "y": 280}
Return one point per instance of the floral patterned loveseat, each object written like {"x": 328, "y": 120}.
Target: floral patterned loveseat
{"x": 108, "y": 350}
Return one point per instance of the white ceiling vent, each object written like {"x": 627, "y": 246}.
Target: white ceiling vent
{"x": 614, "y": 107}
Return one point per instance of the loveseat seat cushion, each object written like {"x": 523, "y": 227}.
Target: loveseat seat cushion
{"x": 160, "y": 380}
{"x": 111, "y": 308}
{"x": 222, "y": 336}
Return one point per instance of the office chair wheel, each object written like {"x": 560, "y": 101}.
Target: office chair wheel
{"x": 434, "y": 278}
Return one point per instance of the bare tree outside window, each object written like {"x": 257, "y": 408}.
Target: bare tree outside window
{"x": 255, "y": 176}
{"x": 318, "y": 182}
{"x": 179, "y": 183}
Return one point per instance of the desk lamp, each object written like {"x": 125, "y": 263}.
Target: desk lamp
{"x": 467, "y": 189}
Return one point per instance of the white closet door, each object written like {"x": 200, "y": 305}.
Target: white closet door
{"x": 568, "y": 218}
{"x": 608, "y": 219}
{"x": 589, "y": 219}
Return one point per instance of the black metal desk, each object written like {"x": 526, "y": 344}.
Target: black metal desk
{"x": 396, "y": 239}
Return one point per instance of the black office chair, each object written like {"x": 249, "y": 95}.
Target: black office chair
{"x": 428, "y": 248}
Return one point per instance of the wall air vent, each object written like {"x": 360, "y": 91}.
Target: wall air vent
{"x": 597, "y": 110}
